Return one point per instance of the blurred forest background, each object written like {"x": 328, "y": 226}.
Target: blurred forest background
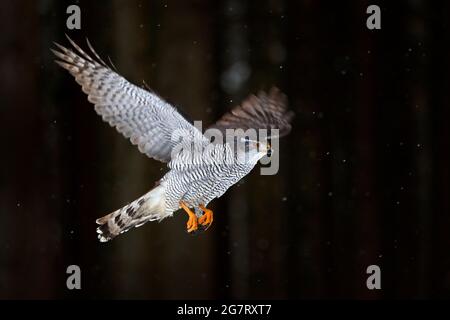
{"x": 364, "y": 175}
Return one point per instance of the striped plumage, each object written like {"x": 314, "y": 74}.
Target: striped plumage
{"x": 199, "y": 182}
{"x": 160, "y": 132}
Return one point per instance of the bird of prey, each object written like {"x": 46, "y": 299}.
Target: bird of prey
{"x": 199, "y": 169}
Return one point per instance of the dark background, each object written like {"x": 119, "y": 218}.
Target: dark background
{"x": 364, "y": 175}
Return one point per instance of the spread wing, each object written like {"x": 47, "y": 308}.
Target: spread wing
{"x": 142, "y": 116}
{"x": 262, "y": 111}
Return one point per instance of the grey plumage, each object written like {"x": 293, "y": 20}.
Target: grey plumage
{"x": 160, "y": 132}
{"x": 140, "y": 115}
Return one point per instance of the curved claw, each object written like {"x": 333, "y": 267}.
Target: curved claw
{"x": 207, "y": 218}
{"x": 192, "y": 224}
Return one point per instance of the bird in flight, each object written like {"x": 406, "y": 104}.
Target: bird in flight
{"x": 201, "y": 166}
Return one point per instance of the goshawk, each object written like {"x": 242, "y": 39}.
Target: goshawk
{"x": 201, "y": 166}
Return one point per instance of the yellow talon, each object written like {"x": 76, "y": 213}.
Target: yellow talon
{"x": 192, "y": 224}
{"x": 207, "y": 218}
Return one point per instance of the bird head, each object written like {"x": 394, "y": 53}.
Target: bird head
{"x": 253, "y": 150}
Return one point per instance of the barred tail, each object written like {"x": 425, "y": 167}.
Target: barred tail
{"x": 149, "y": 207}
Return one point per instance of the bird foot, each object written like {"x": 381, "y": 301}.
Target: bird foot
{"x": 207, "y": 218}
{"x": 195, "y": 224}
{"x": 192, "y": 224}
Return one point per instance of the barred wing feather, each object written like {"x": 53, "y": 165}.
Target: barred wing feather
{"x": 261, "y": 111}
{"x": 142, "y": 116}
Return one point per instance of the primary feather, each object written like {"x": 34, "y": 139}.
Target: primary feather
{"x": 142, "y": 116}
{"x": 193, "y": 179}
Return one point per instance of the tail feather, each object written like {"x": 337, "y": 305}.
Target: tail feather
{"x": 149, "y": 207}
